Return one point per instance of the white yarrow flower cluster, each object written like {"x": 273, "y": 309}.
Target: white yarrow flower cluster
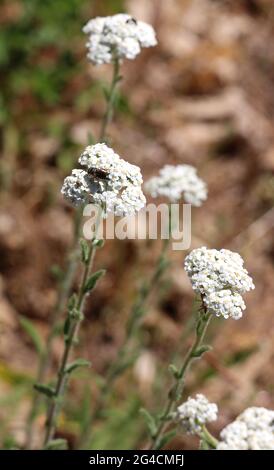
{"x": 219, "y": 276}
{"x": 117, "y": 37}
{"x": 177, "y": 182}
{"x": 252, "y": 430}
{"x": 195, "y": 413}
{"x": 107, "y": 181}
{"x": 77, "y": 187}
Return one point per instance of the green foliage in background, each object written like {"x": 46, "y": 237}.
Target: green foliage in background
{"x": 41, "y": 47}
{"x": 32, "y": 44}
{"x": 44, "y": 78}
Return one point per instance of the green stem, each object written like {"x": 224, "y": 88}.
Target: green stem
{"x": 117, "y": 367}
{"x": 110, "y": 100}
{"x": 175, "y": 393}
{"x": 69, "y": 275}
{"x": 57, "y": 312}
{"x": 56, "y": 400}
{"x": 207, "y": 437}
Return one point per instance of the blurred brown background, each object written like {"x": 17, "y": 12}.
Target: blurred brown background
{"x": 203, "y": 96}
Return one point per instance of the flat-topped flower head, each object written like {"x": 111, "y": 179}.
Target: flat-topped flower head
{"x": 124, "y": 203}
{"x": 118, "y": 173}
{"x": 178, "y": 182}
{"x": 225, "y": 303}
{"x": 257, "y": 417}
{"x": 195, "y": 413}
{"x": 219, "y": 276}
{"x": 78, "y": 187}
{"x": 117, "y": 37}
{"x": 234, "y": 437}
{"x": 107, "y": 181}
{"x": 211, "y": 270}
{"x": 252, "y": 430}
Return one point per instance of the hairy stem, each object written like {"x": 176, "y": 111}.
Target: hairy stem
{"x": 69, "y": 274}
{"x": 119, "y": 364}
{"x": 56, "y": 400}
{"x": 175, "y": 393}
{"x": 110, "y": 101}
{"x": 57, "y": 312}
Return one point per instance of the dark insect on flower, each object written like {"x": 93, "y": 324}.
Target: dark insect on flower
{"x": 131, "y": 20}
{"x": 97, "y": 173}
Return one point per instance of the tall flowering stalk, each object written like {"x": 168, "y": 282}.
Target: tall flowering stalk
{"x": 70, "y": 271}
{"x": 126, "y": 356}
{"x": 73, "y": 321}
{"x": 45, "y": 356}
{"x": 114, "y": 186}
{"x": 219, "y": 278}
{"x": 111, "y": 40}
{"x": 174, "y": 183}
{"x": 196, "y": 350}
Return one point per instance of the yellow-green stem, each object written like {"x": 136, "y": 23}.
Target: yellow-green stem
{"x": 56, "y": 400}
{"x": 116, "y": 368}
{"x": 57, "y": 312}
{"x": 110, "y": 100}
{"x": 69, "y": 274}
{"x": 175, "y": 393}
{"x": 207, "y": 437}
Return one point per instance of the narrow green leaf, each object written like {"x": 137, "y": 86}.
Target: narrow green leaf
{"x": 77, "y": 363}
{"x": 85, "y": 251}
{"x": 57, "y": 444}
{"x": 93, "y": 279}
{"x": 165, "y": 439}
{"x": 45, "y": 390}
{"x": 33, "y": 333}
{"x": 174, "y": 370}
{"x": 72, "y": 302}
{"x": 98, "y": 243}
{"x": 201, "y": 350}
{"x": 150, "y": 421}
